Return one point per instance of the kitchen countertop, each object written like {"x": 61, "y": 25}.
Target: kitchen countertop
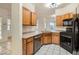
{"x": 31, "y": 34}
{"x": 27, "y": 35}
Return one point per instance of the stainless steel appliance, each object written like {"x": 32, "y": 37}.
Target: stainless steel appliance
{"x": 67, "y": 22}
{"x": 37, "y": 42}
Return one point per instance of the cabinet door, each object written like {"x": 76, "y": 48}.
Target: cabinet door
{"x": 42, "y": 39}
{"x": 71, "y": 15}
{"x": 56, "y": 39}
{"x": 59, "y": 20}
{"x": 66, "y": 16}
{"x": 24, "y": 46}
{"x": 34, "y": 18}
{"x": 30, "y": 48}
{"x": 26, "y": 17}
{"x": 47, "y": 38}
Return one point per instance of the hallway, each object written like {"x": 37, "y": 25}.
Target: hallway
{"x": 52, "y": 50}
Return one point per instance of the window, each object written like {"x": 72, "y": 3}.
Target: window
{"x": 8, "y": 24}
{"x": 52, "y": 25}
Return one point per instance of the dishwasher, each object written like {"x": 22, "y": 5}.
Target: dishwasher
{"x": 37, "y": 43}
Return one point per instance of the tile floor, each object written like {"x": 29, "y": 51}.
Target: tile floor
{"x": 52, "y": 49}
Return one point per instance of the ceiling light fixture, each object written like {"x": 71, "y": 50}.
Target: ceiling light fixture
{"x": 52, "y": 5}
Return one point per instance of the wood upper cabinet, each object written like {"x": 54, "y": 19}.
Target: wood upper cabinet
{"x": 66, "y": 16}
{"x": 47, "y": 38}
{"x": 71, "y": 15}
{"x": 26, "y": 16}
{"x": 59, "y": 20}
{"x": 29, "y": 18}
{"x": 28, "y": 46}
{"x": 34, "y": 17}
{"x": 56, "y": 38}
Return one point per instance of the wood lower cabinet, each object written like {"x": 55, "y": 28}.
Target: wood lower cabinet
{"x": 46, "y": 38}
{"x": 24, "y": 46}
{"x": 56, "y": 38}
{"x": 28, "y": 46}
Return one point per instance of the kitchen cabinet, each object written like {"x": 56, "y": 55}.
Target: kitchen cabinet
{"x": 56, "y": 38}
{"x": 46, "y": 38}
{"x": 59, "y": 20}
{"x": 29, "y": 18}
{"x": 71, "y": 15}
{"x": 24, "y": 46}
{"x": 41, "y": 39}
{"x": 66, "y": 16}
{"x": 28, "y": 46}
{"x": 34, "y": 17}
{"x": 26, "y": 17}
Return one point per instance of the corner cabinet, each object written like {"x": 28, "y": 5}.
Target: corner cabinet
{"x": 46, "y": 38}
{"x": 29, "y": 18}
{"x": 56, "y": 38}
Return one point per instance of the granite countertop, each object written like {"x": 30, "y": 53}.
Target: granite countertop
{"x": 31, "y": 34}
{"x": 27, "y": 35}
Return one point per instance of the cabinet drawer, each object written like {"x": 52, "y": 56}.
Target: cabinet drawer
{"x": 29, "y": 39}
{"x": 56, "y": 34}
{"x": 29, "y": 48}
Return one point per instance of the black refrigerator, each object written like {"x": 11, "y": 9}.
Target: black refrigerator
{"x": 75, "y": 35}
{"x": 69, "y": 39}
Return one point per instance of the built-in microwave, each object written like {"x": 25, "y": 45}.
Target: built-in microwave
{"x": 67, "y": 22}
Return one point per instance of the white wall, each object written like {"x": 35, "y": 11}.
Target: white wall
{"x": 41, "y": 21}
{"x": 29, "y": 6}
{"x": 16, "y": 26}
{"x": 69, "y": 8}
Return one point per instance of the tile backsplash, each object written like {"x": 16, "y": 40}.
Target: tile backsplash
{"x": 29, "y": 28}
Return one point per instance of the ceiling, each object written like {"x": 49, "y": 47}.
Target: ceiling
{"x": 46, "y": 12}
